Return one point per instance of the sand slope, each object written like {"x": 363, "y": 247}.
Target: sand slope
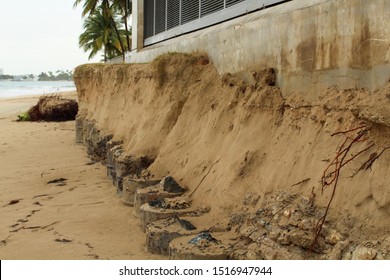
{"x": 246, "y": 136}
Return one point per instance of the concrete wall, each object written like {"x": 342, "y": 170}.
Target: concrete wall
{"x": 313, "y": 44}
{"x": 137, "y": 42}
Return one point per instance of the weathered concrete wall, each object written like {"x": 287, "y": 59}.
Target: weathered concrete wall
{"x": 137, "y": 42}
{"x": 313, "y": 44}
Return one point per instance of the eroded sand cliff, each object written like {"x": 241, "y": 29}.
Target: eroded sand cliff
{"x": 256, "y": 158}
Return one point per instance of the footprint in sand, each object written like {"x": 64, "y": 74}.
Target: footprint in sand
{"x": 60, "y": 182}
{"x": 4, "y": 242}
{"x": 12, "y": 202}
{"x": 63, "y": 240}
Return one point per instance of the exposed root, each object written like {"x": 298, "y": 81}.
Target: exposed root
{"x": 343, "y": 156}
{"x": 300, "y": 182}
{"x": 374, "y": 156}
{"x": 204, "y": 177}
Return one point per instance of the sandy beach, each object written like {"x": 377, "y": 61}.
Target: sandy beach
{"x": 79, "y": 217}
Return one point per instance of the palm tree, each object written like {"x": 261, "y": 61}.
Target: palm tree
{"x": 99, "y": 34}
{"x": 125, "y": 9}
{"x": 107, "y": 7}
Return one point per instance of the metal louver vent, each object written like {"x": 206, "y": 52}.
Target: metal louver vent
{"x": 149, "y": 18}
{"x": 211, "y": 6}
{"x": 189, "y": 10}
{"x": 173, "y": 16}
{"x": 230, "y": 3}
{"x": 164, "y": 19}
{"x": 160, "y": 16}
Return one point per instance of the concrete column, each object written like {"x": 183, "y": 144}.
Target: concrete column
{"x": 138, "y": 25}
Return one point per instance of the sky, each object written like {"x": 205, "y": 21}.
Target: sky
{"x": 40, "y": 36}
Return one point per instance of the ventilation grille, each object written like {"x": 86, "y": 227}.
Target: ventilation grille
{"x": 163, "y": 15}
{"x": 211, "y": 6}
{"x": 173, "y": 10}
{"x": 160, "y": 16}
{"x": 230, "y": 3}
{"x": 149, "y": 18}
{"x": 189, "y": 10}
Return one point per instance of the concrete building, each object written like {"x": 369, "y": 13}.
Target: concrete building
{"x": 315, "y": 43}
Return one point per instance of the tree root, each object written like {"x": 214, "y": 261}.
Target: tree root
{"x": 331, "y": 173}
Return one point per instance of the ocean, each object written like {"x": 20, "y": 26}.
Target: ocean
{"x": 9, "y": 89}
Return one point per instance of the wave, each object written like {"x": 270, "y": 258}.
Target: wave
{"x": 22, "y": 88}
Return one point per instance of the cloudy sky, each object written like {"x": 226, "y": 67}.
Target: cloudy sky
{"x": 39, "y": 36}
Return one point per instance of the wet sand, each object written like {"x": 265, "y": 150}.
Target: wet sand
{"x": 80, "y": 217}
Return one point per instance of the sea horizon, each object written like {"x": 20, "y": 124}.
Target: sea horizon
{"x": 10, "y": 89}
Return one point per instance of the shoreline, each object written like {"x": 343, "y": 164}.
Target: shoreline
{"x": 71, "y": 93}
{"x": 9, "y": 90}
{"x": 80, "y": 218}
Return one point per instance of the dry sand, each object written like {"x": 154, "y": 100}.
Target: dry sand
{"x": 83, "y": 219}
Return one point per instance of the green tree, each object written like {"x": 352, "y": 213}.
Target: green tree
{"x": 108, "y": 11}
{"x": 61, "y": 76}
{"x": 43, "y": 77}
{"x": 99, "y": 35}
{"x": 6, "y": 77}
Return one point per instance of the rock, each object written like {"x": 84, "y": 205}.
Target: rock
{"x": 307, "y": 224}
{"x": 300, "y": 238}
{"x": 274, "y": 233}
{"x": 158, "y": 203}
{"x": 250, "y": 199}
{"x": 334, "y": 237}
{"x": 239, "y": 254}
{"x": 170, "y": 185}
{"x": 203, "y": 239}
{"x": 270, "y": 250}
{"x": 283, "y": 221}
{"x": 237, "y": 218}
{"x": 258, "y": 234}
{"x": 247, "y": 231}
{"x": 364, "y": 253}
{"x": 294, "y": 220}
{"x": 254, "y": 252}
{"x": 337, "y": 251}
{"x": 283, "y": 239}
{"x": 187, "y": 225}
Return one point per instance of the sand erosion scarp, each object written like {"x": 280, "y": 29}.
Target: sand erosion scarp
{"x": 240, "y": 146}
